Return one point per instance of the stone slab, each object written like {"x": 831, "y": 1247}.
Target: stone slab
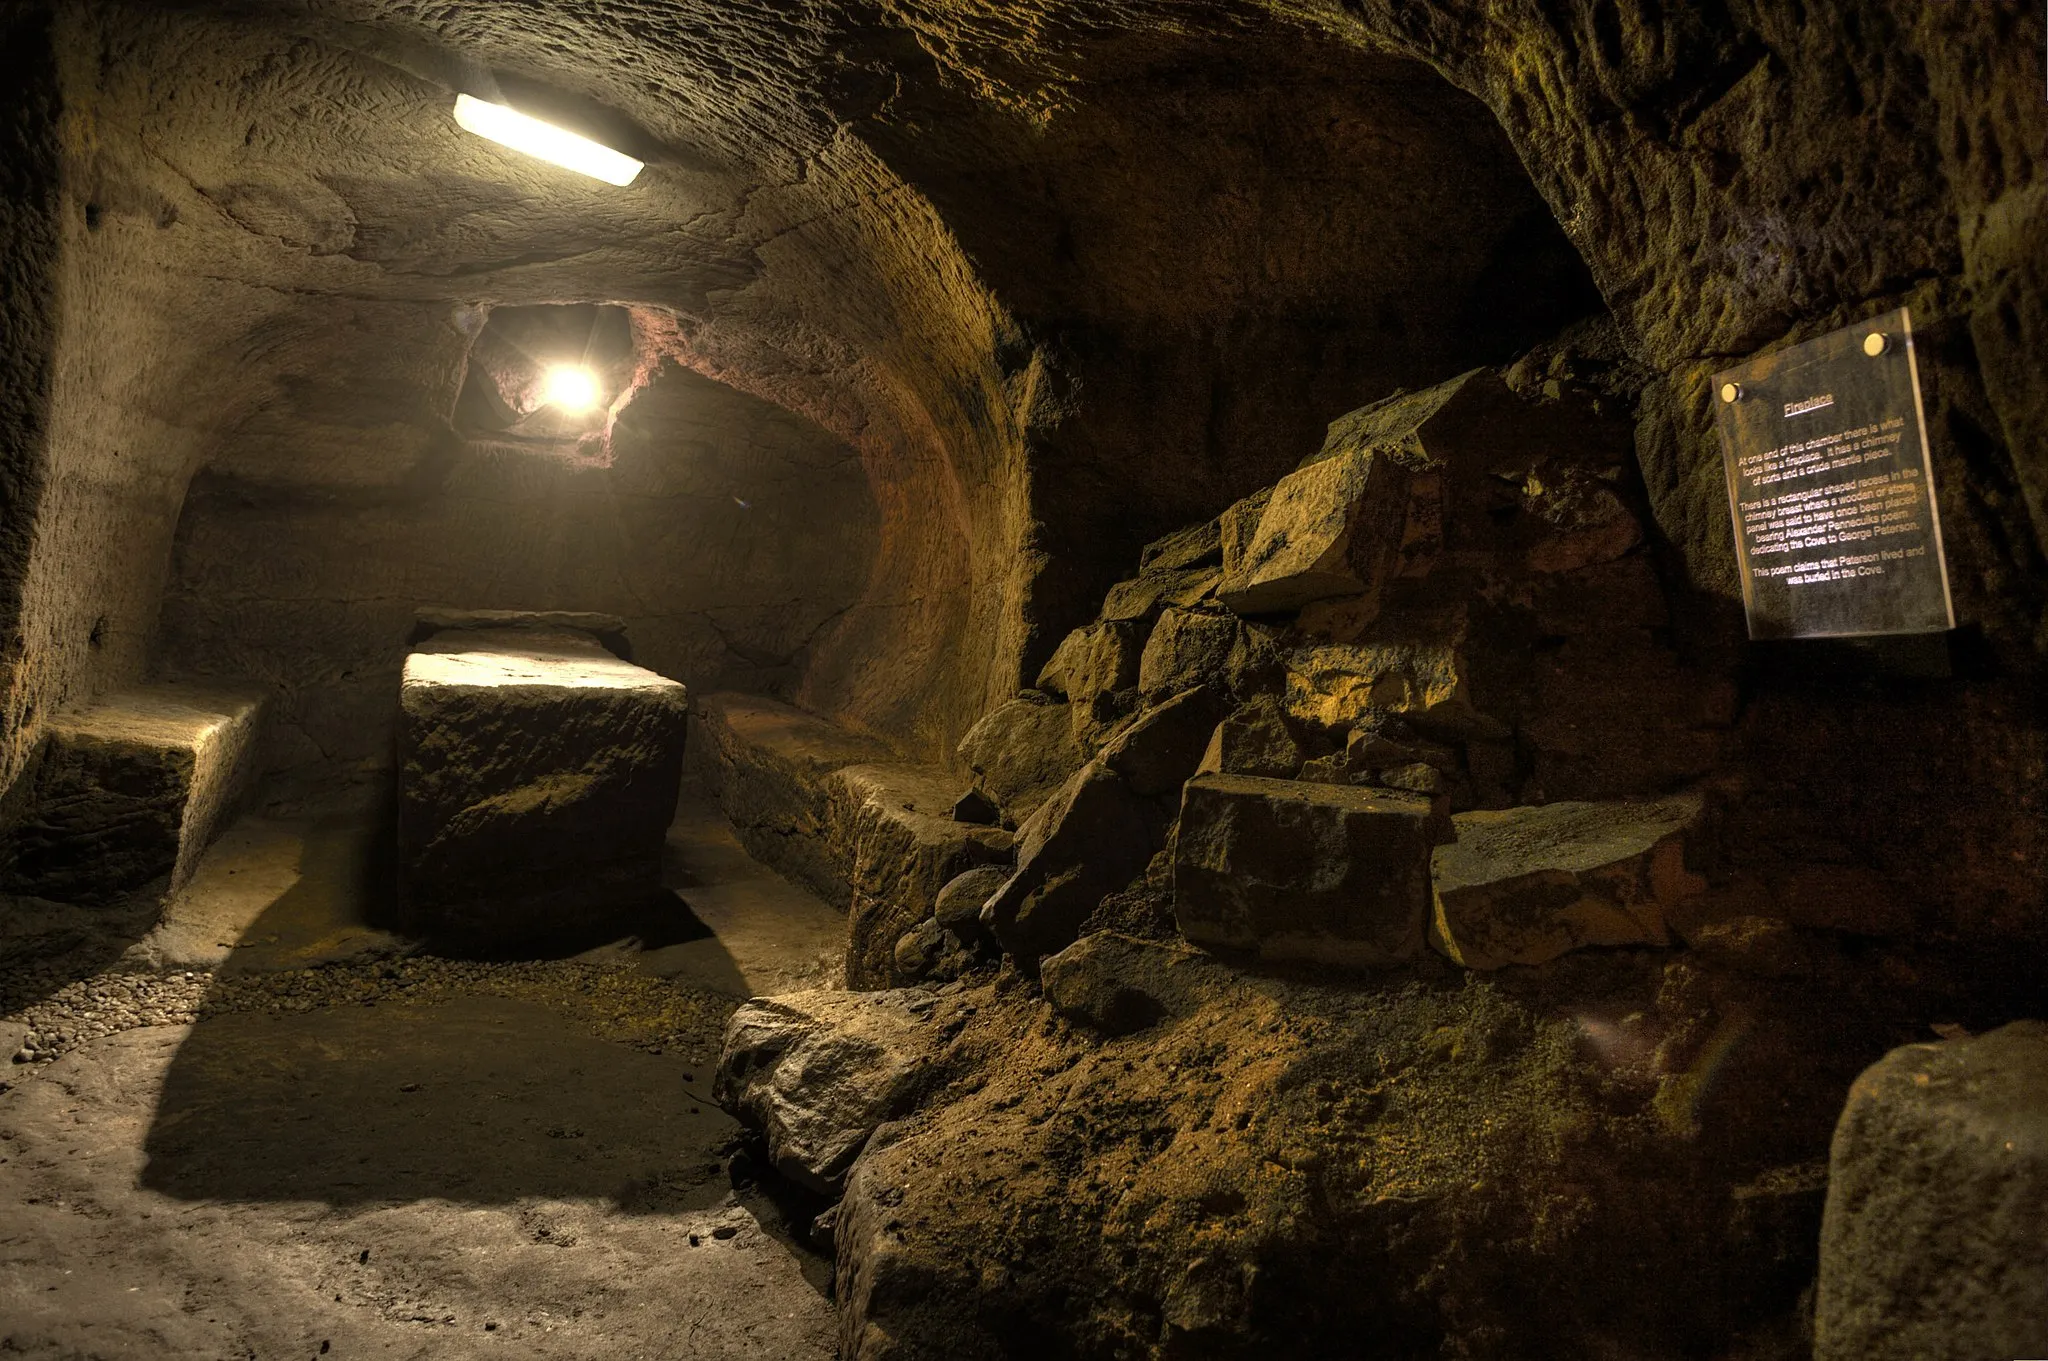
{"x": 538, "y": 774}
{"x": 1934, "y": 1242}
{"x": 1293, "y": 871}
{"x": 1525, "y": 885}
{"x": 132, "y": 787}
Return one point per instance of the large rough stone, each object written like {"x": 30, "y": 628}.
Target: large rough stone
{"x": 1118, "y": 985}
{"x": 1090, "y": 839}
{"x": 1258, "y": 738}
{"x": 1237, "y": 527}
{"x": 1187, "y": 648}
{"x": 769, "y": 762}
{"x": 890, "y": 829}
{"x": 1934, "y": 1243}
{"x": 1331, "y": 529}
{"x": 1094, "y": 660}
{"x": 1294, "y": 871}
{"x": 1159, "y": 749}
{"x": 1020, "y": 752}
{"x": 1141, "y": 598}
{"x": 819, "y": 1071}
{"x": 958, "y": 906}
{"x": 1196, "y": 546}
{"x": 131, "y": 788}
{"x": 538, "y": 776}
{"x": 1421, "y": 671}
{"x": 1096, "y": 668}
{"x": 1525, "y": 885}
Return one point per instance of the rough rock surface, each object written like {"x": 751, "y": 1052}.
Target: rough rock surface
{"x": 1331, "y": 529}
{"x": 1158, "y": 750}
{"x": 1186, "y": 648}
{"x": 818, "y": 1072}
{"x": 1142, "y": 597}
{"x": 1101, "y": 829}
{"x": 1257, "y": 738}
{"x": 890, "y": 829}
{"x": 1270, "y": 1166}
{"x": 959, "y": 904}
{"x": 1020, "y": 752}
{"x": 1524, "y": 885}
{"x": 1935, "y": 1245}
{"x": 1196, "y": 546}
{"x": 538, "y": 777}
{"x": 132, "y": 788}
{"x": 1288, "y": 870}
{"x": 1118, "y": 985}
{"x": 1088, "y": 840}
{"x": 1092, "y": 666}
{"x": 768, "y": 763}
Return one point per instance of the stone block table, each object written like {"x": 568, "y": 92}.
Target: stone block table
{"x": 132, "y": 788}
{"x": 538, "y": 775}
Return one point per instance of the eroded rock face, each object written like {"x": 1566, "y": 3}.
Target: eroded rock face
{"x": 538, "y": 777}
{"x": 1525, "y": 885}
{"x": 819, "y": 1071}
{"x": 1289, "y": 870}
{"x": 1934, "y": 1245}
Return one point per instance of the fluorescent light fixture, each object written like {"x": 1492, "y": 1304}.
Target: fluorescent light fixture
{"x": 557, "y": 146}
{"x": 570, "y": 388}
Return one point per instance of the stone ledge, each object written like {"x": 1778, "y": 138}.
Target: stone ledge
{"x": 836, "y": 812}
{"x": 132, "y": 787}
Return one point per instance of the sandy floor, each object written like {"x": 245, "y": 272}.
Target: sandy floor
{"x": 362, "y": 1155}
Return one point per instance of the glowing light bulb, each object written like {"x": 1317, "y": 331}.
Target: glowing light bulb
{"x": 570, "y": 388}
{"x": 557, "y": 146}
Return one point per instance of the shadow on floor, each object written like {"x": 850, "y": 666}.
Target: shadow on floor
{"x": 477, "y": 1100}
{"x": 461, "y": 1096}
